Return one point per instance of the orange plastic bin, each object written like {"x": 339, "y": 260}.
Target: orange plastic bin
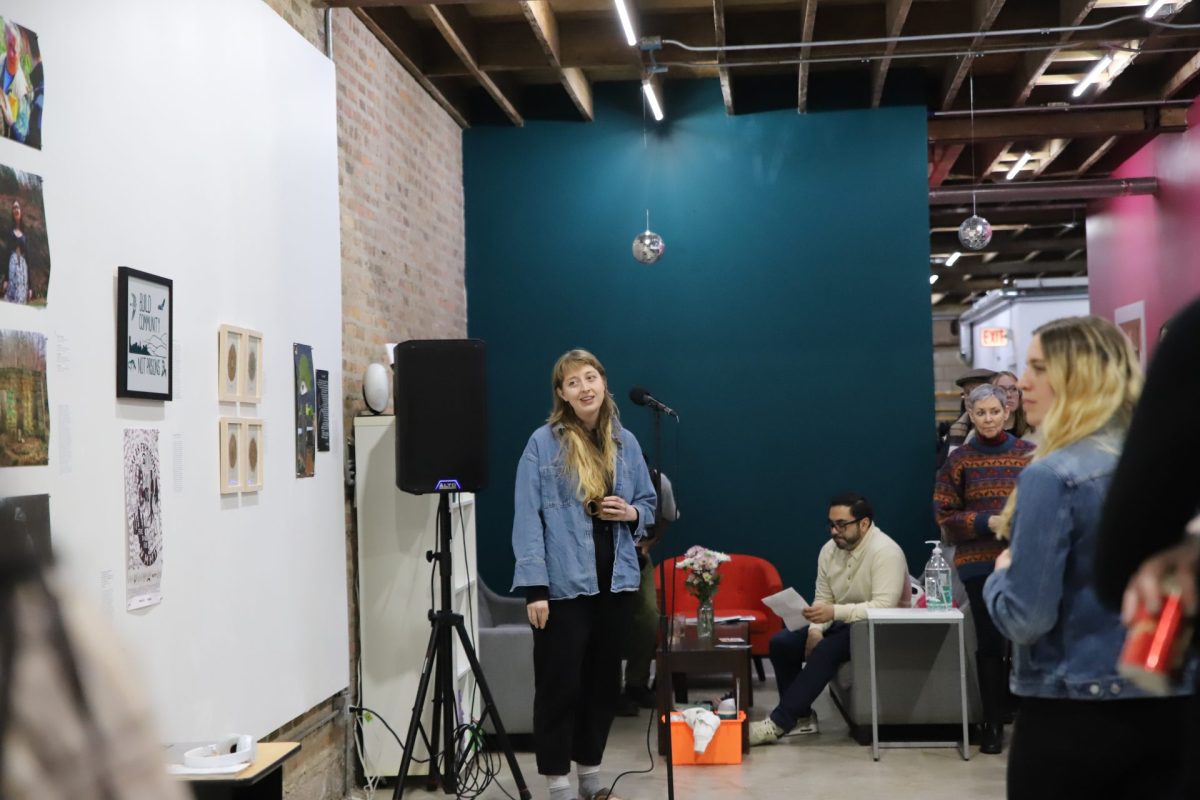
{"x": 725, "y": 747}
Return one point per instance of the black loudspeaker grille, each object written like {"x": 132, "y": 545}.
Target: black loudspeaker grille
{"x": 441, "y": 416}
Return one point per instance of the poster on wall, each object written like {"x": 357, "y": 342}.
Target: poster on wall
{"x": 323, "y": 410}
{"x": 24, "y": 247}
{"x": 24, "y": 84}
{"x": 306, "y": 410}
{"x": 24, "y": 402}
{"x": 144, "y": 329}
{"x": 25, "y": 528}
{"x": 143, "y": 519}
{"x": 1131, "y": 319}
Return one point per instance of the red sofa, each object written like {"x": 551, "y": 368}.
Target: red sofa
{"x": 745, "y": 580}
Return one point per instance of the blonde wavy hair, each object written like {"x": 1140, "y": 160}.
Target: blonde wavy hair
{"x": 1096, "y": 379}
{"x": 590, "y": 456}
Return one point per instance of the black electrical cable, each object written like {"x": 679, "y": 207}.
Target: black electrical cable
{"x": 361, "y": 709}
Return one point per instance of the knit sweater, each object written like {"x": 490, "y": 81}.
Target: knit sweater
{"x": 973, "y": 486}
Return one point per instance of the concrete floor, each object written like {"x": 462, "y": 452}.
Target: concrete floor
{"x": 829, "y": 764}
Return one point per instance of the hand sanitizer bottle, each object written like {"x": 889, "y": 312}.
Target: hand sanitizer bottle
{"x": 938, "y": 591}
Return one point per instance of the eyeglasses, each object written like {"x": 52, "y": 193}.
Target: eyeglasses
{"x": 842, "y": 524}
{"x": 1011, "y": 390}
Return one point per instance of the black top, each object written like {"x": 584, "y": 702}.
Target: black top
{"x": 1156, "y": 489}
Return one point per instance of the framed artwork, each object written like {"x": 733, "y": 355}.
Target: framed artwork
{"x": 252, "y": 455}
{"x": 232, "y": 441}
{"x": 252, "y": 367}
{"x": 145, "y": 316}
{"x": 231, "y": 342}
{"x": 323, "y": 410}
{"x": 306, "y": 409}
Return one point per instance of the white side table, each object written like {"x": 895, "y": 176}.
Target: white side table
{"x": 917, "y": 616}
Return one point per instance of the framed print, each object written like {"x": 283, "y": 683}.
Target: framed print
{"x": 252, "y": 365}
{"x": 232, "y": 436}
{"x": 252, "y": 455}
{"x": 231, "y": 342}
{"x": 145, "y": 315}
{"x": 306, "y": 409}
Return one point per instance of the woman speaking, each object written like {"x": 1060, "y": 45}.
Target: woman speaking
{"x": 583, "y": 495}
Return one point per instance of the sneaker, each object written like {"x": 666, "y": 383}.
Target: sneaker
{"x": 805, "y": 725}
{"x": 764, "y": 732}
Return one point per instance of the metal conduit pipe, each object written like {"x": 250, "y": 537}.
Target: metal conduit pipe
{"x": 329, "y": 33}
{"x": 1045, "y": 190}
{"x": 1062, "y": 108}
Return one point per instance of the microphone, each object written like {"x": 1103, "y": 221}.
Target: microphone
{"x": 641, "y": 397}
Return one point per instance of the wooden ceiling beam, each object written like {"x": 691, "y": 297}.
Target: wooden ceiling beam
{"x": 718, "y": 9}
{"x": 1042, "y": 213}
{"x": 948, "y": 243}
{"x": 998, "y": 269}
{"x": 394, "y": 3}
{"x": 457, "y": 28}
{"x": 896, "y": 12}
{"x": 1055, "y": 124}
{"x": 397, "y": 32}
{"x": 1182, "y": 77}
{"x": 944, "y": 156}
{"x": 808, "y": 22}
{"x": 544, "y": 25}
{"x": 1071, "y": 12}
{"x": 1096, "y": 155}
{"x": 983, "y": 15}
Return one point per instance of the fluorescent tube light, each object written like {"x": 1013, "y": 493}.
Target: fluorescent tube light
{"x": 932, "y": 279}
{"x": 1020, "y": 165}
{"x": 623, "y": 13}
{"x": 652, "y": 99}
{"x": 1092, "y": 76}
{"x": 954, "y": 257}
{"x": 1155, "y": 7}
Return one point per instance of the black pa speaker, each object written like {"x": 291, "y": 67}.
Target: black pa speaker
{"x": 441, "y": 416}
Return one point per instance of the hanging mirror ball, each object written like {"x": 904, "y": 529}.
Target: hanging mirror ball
{"x": 648, "y": 247}
{"x": 975, "y": 232}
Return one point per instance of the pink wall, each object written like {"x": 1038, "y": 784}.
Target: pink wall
{"x": 1147, "y": 248}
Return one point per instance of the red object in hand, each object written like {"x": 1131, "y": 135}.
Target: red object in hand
{"x": 1154, "y": 646}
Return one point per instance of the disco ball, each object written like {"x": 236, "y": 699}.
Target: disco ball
{"x": 975, "y": 232}
{"x": 648, "y": 247}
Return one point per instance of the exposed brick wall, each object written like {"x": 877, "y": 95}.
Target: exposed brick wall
{"x": 403, "y": 259}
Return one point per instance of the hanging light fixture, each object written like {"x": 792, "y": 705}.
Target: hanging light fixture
{"x": 975, "y": 232}
{"x": 648, "y": 246}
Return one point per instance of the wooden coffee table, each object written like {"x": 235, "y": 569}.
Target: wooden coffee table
{"x": 727, "y": 653}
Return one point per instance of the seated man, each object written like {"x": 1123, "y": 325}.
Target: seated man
{"x": 859, "y": 568}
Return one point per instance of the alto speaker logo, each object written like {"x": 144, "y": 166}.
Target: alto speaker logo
{"x": 448, "y": 485}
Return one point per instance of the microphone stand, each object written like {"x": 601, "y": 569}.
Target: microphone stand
{"x": 664, "y": 631}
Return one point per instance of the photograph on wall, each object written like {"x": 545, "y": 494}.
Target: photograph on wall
{"x": 323, "y": 410}
{"x": 145, "y": 314}
{"x": 24, "y": 83}
{"x": 229, "y": 363}
{"x": 25, "y": 528}
{"x": 231, "y": 455}
{"x": 24, "y": 247}
{"x": 306, "y": 410}
{"x": 1131, "y": 319}
{"x": 24, "y": 404}
{"x": 252, "y": 456}
{"x": 143, "y": 519}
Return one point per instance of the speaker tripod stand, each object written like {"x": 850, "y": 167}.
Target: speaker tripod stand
{"x": 438, "y": 666}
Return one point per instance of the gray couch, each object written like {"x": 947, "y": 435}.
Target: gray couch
{"x": 916, "y": 673}
{"x": 506, "y": 655}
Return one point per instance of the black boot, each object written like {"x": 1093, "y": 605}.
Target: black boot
{"x": 991, "y": 691}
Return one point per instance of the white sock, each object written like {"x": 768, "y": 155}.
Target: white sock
{"x": 589, "y": 780}
{"x": 560, "y": 787}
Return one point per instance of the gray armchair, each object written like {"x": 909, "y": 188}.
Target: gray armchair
{"x": 506, "y": 655}
{"x": 916, "y": 674}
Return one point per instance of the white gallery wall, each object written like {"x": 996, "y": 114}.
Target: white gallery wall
{"x": 195, "y": 140}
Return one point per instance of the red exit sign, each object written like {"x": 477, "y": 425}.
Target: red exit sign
{"x": 993, "y": 337}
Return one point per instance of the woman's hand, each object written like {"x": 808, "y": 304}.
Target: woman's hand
{"x": 1004, "y": 560}
{"x": 539, "y": 612}
{"x": 615, "y": 509}
{"x": 993, "y": 523}
{"x": 1145, "y": 587}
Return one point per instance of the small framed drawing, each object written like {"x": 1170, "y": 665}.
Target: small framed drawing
{"x": 232, "y": 442}
{"x": 231, "y": 343}
{"x": 145, "y": 319}
{"x": 252, "y": 367}
{"x": 252, "y": 455}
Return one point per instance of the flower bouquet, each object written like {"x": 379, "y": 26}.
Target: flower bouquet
{"x": 702, "y": 582}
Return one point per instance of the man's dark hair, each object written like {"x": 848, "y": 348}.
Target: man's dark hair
{"x": 860, "y": 507}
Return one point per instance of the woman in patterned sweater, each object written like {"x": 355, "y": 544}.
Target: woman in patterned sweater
{"x": 970, "y": 492}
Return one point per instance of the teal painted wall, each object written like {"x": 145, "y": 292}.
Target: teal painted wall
{"x": 788, "y": 322}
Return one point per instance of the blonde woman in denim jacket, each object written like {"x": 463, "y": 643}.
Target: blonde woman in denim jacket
{"x": 583, "y": 496}
{"x": 1082, "y": 730}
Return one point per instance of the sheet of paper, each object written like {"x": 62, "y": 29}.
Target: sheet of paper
{"x": 789, "y": 605}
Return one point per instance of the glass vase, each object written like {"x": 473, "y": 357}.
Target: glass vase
{"x": 704, "y": 619}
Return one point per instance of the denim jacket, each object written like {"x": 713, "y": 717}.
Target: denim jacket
{"x": 552, "y": 533}
{"x": 1065, "y": 643}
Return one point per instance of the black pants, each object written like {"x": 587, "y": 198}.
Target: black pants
{"x": 1098, "y": 748}
{"x": 989, "y": 642}
{"x": 577, "y": 678}
{"x": 801, "y": 680}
